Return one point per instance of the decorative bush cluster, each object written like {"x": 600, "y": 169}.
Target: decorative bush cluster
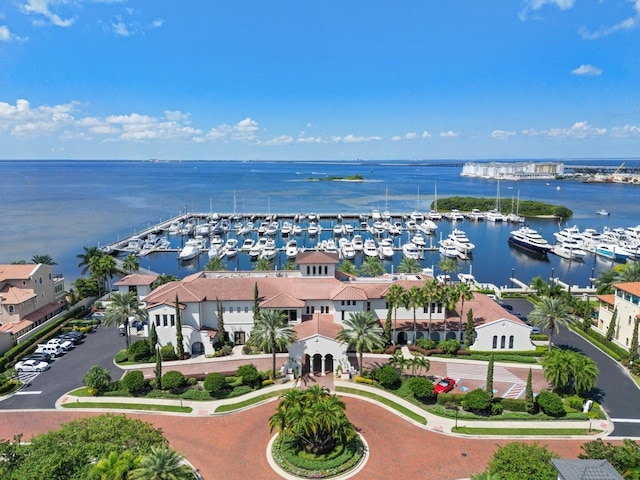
{"x": 388, "y": 377}
{"x": 550, "y": 404}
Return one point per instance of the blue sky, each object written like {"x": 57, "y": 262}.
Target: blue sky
{"x": 319, "y": 79}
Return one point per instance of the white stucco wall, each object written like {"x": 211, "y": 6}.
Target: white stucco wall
{"x": 503, "y": 328}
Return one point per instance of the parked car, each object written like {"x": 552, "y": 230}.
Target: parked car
{"x": 31, "y": 366}
{"x": 41, "y": 357}
{"x": 52, "y": 349}
{"x": 64, "y": 344}
{"x": 445, "y": 385}
{"x": 73, "y": 336}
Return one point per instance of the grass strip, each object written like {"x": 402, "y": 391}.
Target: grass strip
{"x": 129, "y": 406}
{"x": 389, "y": 403}
{"x": 245, "y": 403}
{"x": 524, "y": 431}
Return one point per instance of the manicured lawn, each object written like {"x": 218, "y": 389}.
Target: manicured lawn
{"x": 524, "y": 431}
{"x": 236, "y": 406}
{"x": 129, "y": 406}
{"x": 390, "y": 403}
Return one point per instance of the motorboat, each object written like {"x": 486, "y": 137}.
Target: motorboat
{"x": 411, "y": 225}
{"x": 448, "y": 249}
{"x": 475, "y": 215}
{"x": 418, "y": 240}
{"x": 174, "y": 228}
{"x": 386, "y": 249}
{"x": 434, "y": 215}
{"x": 217, "y": 241}
{"x": 262, "y": 228}
{"x": 256, "y": 250}
{"x": 297, "y": 229}
{"x": 454, "y": 215}
{"x": 569, "y": 234}
{"x": 192, "y": 248}
{"x": 410, "y": 250}
{"x": 247, "y": 244}
{"x": 338, "y": 229}
{"x": 330, "y": 246}
{"x": 569, "y": 250}
{"x": 428, "y": 227}
{"x": 378, "y": 228}
{"x": 313, "y": 229}
{"x": 529, "y": 239}
{"x": 346, "y": 249}
{"x": 370, "y": 249}
{"x": 272, "y": 228}
{"x": 417, "y": 216}
{"x": 348, "y": 228}
{"x": 269, "y": 251}
{"x": 203, "y": 229}
{"x": 286, "y": 229}
{"x": 591, "y": 237}
{"x": 495, "y": 216}
{"x": 291, "y": 248}
{"x": 245, "y": 229}
{"x": 215, "y": 251}
{"x": 633, "y": 233}
{"x": 612, "y": 252}
{"x": 602, "y": 211}
{"x": 231, "y": 248}
{"x": 461, "y": 242}
{"x": 357, "y": 243}
{"x": 134, "y": 245}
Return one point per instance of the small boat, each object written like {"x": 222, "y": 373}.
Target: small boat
{"x": 256, "y": 250}
{"x": 370, "y": 249}
{"x": 454, "y": 215}
{"x": 292, "y": 249}
{"x": 272, "y": 229}
{"x": 448, "y": 249}
{"x": 346, "y": 249}
{"x": 269, "y": 251}
{"x": 569, "y": 250}
{"x": 287, "y": 228}
{"x": 495, "y": 216}
{"x": 417, "y": 216}
{"x": 348, "y": 228}
{"x": 312, "y": 229}
{"x": 174, "y": 228}
{"x": 192, "y": 248}
{"x": 410, "y": 250}
{"x": 203, "y": 229}
{"x": 338, "y": 229}
{"x": 475, "y": 215}
{"x": 418, "y": 240}
{"x": 297, "y": 230}
{"x": 386, "y": 249}
{"x": 330, "y": 246}
{"x": 231, "y": 248}
{"x": 215, "y": 251}
{"x": 247, "y": 244}
{"x": 612, "y": 252}
{"x": 602, "y": 211}
{"x": 357, "y": 243}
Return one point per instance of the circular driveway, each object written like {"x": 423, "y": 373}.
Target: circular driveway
{"x": 234, "y": 446}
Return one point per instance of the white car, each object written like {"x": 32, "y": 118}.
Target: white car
{"x": 31, "y": 366}
{"x": 65, "y": 344}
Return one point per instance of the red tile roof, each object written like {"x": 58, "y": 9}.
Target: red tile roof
{"x": 319, "y": 325}
{"x": 16, "y": 272}
{"x": 608, "y": 299}
{"x": 136, "y": 279}
{"x": 316, "y": 257}
{"x": 281, "y": 301}
{"x": 630, "y": 287}
{"x": 14, "y": 295}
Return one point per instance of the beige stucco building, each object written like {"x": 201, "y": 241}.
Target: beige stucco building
{"x": 626, "y": 302}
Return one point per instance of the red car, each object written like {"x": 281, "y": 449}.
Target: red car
{"x": 445, "y": 385}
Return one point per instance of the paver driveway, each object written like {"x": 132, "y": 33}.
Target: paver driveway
{"x": 233, "y": 446}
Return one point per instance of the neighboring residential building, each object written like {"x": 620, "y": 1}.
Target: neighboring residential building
{"x": 29, "y": 296}
{"x": 316, "y": 299}
{"x": 585, "y": 470}
{"x": 513, "y": 170}
{"x": 626, "y": 302}
{"x": 136, "y": 282}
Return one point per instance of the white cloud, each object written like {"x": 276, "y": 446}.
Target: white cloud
{"x": 449, "y": 134}
{"x": 626, "y": 24}
{"x": 587, "y": 70}
{"x": 244, "y": 131}
{"x": 309, "y": 125}
{"x": 7, "y": 36}
{"x": 355, "y": 139}
{"x": 535, "y": 5}
{"x": 280, "y": 140}
{"x": 626, "y": 131}
{"x": 577, "y": 130}
{"x": 22, "y": 120}
{"x": 42, "y": 7}
{"x": 502, "y": 134}
{"x": 157, "y": 23}
{"x": 396, "y": 138}
{"x": 303, "y": 139}
{"x": 425, "y": 134}
{"x": 406, "y": 136}
{"x": 120, "y": 28}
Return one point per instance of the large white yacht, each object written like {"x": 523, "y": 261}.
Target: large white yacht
{"x": 529, "y": 239}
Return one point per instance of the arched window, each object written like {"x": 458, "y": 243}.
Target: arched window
{"x": 503, "y": 341}
{"x": 495, "y": 341}
{"x": 511, "y": 342}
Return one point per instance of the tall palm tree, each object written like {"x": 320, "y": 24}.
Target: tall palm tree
{"x": 102, "y": 268}
{"x": 409, "y": 265}
{"x": 420, "y": 362}
{"x": 372, "y": 267}
{"x": 550, "y": 314}
{"x": 431, "y": 291}
{"x": 464, "y": 293}
{"x": 449, "y": 266}
{"x": 394, "y": 297}
{"x": 399, "y": 361}
{"x": 412, "y": 299}
{"x": 361, "y": 331}
{"x": 449, "y": 297}
{"x": 556, "y": 366}
{"x": 162, "y": 463}
{"x": 44, "y": 259}
{"x": 123, "y": 308}
{"x": 86, "y": 256}
{"x": 130, "y": 263}
{"x": 215, "y": 264}
{"x": 585, "y": 373}
{"x": 272, "y": 333}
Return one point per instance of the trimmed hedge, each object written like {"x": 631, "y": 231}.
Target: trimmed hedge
{"x": 600, "y": 341}
{"x": 366, "y": 381}
{"x": 513, "y": 404}
{"x": 448, "y": 398}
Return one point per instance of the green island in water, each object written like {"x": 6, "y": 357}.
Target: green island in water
{"x": 526, "y": 208}
{"x": 335, "y": 178}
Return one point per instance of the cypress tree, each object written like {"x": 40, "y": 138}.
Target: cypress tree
{"x": 179, "y": 339}
{"x": 469, "y": 330}
{"x": 633, "y": 348}
{"x": 153, "y": 339}
{"x": 221, "y": 331}
{"x": 489, "y": 384}
{"x": 387, "y": 328}
{"x": 528, "y": 395}
{"x": 612, "y": 326}
{"x": 158, "y": 370}
{"x": 256, "y": 303}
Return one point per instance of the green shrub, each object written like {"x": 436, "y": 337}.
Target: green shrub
{"x": 241, "y": 390}
{"x": 214, "y": 383}
{"x": 450, "y": 398}
{"x": 139, "y": 351}
{"x": 7, "y": 386}
{"x": 427, "y": 343}
{"x": 421, "y": 387}
{"x": 249, "y": 374}
{"x": 267, "y": 381}
{"x": 477, "y": 401}
{"x": 134, "y": 382}
{"x": 366, "y": 381}
{"x": 195, "y": 394}
{"x": 513, "y": 404}
{"x": 174, "y": 381}
{"x": 574, "y": 403}
{"x": 168, "y": 352}
{"x": 550, "y": 404}
{"x": 121, "y": 356}
{"x": 450, "y": 346}
{"x": 388, "y": 377}
{"x": 496, "y": 408}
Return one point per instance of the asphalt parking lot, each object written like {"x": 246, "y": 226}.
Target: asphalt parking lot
{"x": 66, "y": 372}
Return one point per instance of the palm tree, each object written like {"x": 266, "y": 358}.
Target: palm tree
{"x": 162, "y": 463}
{"x": 399, "y": 361}
{"x": 409, "y": 265}
{"x": 372, "y": 267}
{"x": 130, "y": 263}
{"x": 431, "y": 291}
{"x": 449, "y": 297}
{"x": 464, "y": 293}
{"x": 630, "y": 272}
{"x": 85, "y": 258}
{"x": 272, "y": 333}
{"x": 348, "y": 267}
{"x": 449, "y": 266}
{"x": 114, "y": 467}
{"x": 263, "y": 265}
{"x": 585, "y": 373}
{"x": 361, "y": 331}
{"x": 102, "y": 268}
{"x": 420, "y": 362}
{"x": 549, "y": 315}
{"x": 288, "y": 265}
{"x": 394, "y": 296}
{"x": 556, "y": 365}
{"x": 413, "y": 298}
{"x": 164, "y": 278}
{"x": 215, "y": 264}
{"x": 539, "y": 285}
{"x": 44, "y": 259}
{"x": 123, "y": 308}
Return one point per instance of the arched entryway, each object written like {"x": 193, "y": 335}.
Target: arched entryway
{"x": 306, "y": 365}
{"x": 328, "y": 363}
{"x": 317, "y": 364}
{"x": 402, "y": 338}
{"x": 451, "y": 336}
{"x": 435, "y": 336}
{"x": 197, "y": 348}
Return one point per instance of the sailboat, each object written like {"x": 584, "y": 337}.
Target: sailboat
{"x": 515, "y": 217}
{"x": 386, "y": 215}
{"x": 495, "y": 215}
{"x": 416, "y": 215}
{"x": 433, "y": 214}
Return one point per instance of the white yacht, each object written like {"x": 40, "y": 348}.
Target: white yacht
{"x": 297, "y": 229}
{"x": 417, "y": 216}
{"x": 569, "y": 234}
{"x": 357, "y": 242}
{"x": 612, "y": 252}
{"x": 569, "y": 249}
{"x": 370, "y": 249}
{"x": 418, "y": 240}
{"x": 454, "y": 215}
{"x": 428, "y": 227}
{"x": 448, "y": 249}
{"x": 410, "y": 250}
{"x": 231, "y": 248}
{"x": 330, "y": 246}
{"x": 348, "y": 228}
{"x": 434, "y": 215}
{"x": 287, "y": 228}
{"x": 174, "y": 228}
{"x": 312, "y": 229}
{"x": 495, "y": 216}
{"x": 591, "y": 237}
{"x": 475, "y": 215}
{"x": 256, "y": 250}
{"x": 192, "y": 248}
{"x": 272, "y": 228}
{"x": 269, "y": 251}
{"x": 461, "y": 242}
{"x": 338, "y": 229}
{"x": 247, "y": 244}
{"x": 529, "y": 239}
{"x": 346, "y": 249}
{"x": 292, "y": 249}
{"x": 386, "y": 249}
